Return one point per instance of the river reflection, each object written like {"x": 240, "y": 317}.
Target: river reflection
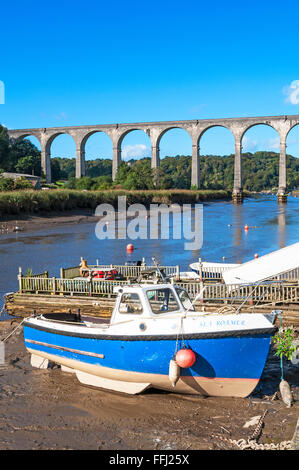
{"x": 271, "y": 226}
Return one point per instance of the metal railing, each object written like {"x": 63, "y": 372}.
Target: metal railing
{"x": 273, "y": 293}
{"x": 129, "y": 272}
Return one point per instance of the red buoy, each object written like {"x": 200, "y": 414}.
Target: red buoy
{"x": 246, "y": 227}
{"x": 185, "y": 358}
{"x": 256, "y": 256}
{"x": 130, "y": 247}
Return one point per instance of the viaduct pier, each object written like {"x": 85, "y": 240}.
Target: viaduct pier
{"x": 155, "y": 130}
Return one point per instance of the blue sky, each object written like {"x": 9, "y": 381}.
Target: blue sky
{"x": 93, "y": 62}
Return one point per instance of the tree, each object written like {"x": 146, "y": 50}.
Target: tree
{"x": 30, "y": 165}
{"x": 4, "y": 148}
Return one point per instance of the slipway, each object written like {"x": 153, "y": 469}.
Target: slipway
{"x": 266, "y": 267}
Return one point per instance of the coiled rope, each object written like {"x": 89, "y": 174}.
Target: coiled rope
{"x": 251, "y": 442}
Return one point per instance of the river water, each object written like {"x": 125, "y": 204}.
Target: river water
{"x": 271, "y": 226}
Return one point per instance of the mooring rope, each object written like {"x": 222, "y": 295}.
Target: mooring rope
{"x": 15, "y": 329}
{"x": 251, "y": 442}
{"x": 281, "y": 359}
{"x": 180, "y": 332}
{"x": 2, "y": 310}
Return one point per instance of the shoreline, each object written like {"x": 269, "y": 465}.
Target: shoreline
{"x": 31, "y": 218}
{"x": 29, "y": 222}
{"x": 15, "y": 204}
{"x": 49, "y": 409}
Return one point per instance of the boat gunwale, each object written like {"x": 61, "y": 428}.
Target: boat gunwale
{"x": 157, "y": 337}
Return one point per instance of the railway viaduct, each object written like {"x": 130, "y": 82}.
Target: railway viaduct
{"x": 155, "y": 130}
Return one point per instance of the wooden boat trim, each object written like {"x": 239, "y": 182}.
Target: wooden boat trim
{"x": 62, "y": 348}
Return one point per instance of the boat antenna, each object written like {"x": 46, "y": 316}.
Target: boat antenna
{"x": 158, "y": 269}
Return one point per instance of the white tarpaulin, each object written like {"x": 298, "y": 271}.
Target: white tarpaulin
{"x": 273, "y": 264}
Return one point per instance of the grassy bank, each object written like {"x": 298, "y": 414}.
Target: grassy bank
{"x": 30, "y": 202}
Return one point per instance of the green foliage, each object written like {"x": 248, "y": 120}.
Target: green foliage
{"x": 19, "y": 156}
{"x": 16, "y": 202}
{"x": 6, "y": 184}
{"x": 284, "y": 343}
{"x": 22, "y": 183}
{"x": 259, "y": 170}
{"x": 4, "y": 147}
{"x": 30, "y": 165}
{"x": 9, "y": 184}
{"x": 98, "y": 167}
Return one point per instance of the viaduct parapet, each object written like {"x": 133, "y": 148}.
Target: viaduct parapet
{"x": 155, "y": 130}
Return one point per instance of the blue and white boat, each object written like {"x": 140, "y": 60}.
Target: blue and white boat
{"x": 137, "y": 348}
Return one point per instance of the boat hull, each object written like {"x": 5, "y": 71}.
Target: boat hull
{"x": 228, "y": 364}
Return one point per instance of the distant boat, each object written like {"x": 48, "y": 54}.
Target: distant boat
{"x": 211, "y": 270}
{"x": 138, "y": 348}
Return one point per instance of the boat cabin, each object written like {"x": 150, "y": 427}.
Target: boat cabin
{"x": 150, "y": 301}
{"x": 134, "y": 301}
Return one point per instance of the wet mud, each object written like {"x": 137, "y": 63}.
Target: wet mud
{"x": 50, "y": 409}
{"x": 30, "y": 222}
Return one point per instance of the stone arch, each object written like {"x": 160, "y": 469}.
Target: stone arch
{"x": 46, "y": 152}
{"x": 290, "y": 129}
{"x": 33, "y": 167}
{"x": 52, "y": 137}
{"x": 203, "y": 133}
{"x": 81, "y": 151}
{"x": 129, "y": 131}
{"x": 91, "y": 133}
{"x": 292, "y": 148}
{"x": 26, "y": 135}
{"x": 117, "y": 144}
{"x": 157, "y": 147}
{"x": 244, "y": 130}
{"x": 277, "y": 147}
{"x": 206, "y": 129}
{"x": 167, "y": 129}
{"x": 146, "y": 136}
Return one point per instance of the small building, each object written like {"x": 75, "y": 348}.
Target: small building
{"x": 34, "y": 180}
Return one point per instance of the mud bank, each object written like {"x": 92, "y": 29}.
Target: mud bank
{"x": 50, "y": 409}
{"x": 28, "y": 223}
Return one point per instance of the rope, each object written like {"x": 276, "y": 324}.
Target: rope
{"x": 2, "y": 310}
{"x": 281, "y": 359}
{"x": 15, "y": 329}
{"x": 251, "y": 442}
{"x": 177, "y": 338}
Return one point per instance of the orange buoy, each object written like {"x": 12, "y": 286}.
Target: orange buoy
{"x": 130, "y": 247}
{"x": 246, "y": 227}
{"x": 185, "y": 358}
{"x": 256, "y": 256}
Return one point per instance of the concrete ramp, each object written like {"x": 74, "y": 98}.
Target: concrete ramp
{"x": 267, "y": 266}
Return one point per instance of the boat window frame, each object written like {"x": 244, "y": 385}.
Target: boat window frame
{"x": 192, "y": 307}
{"x": 130, "y": 313}
{"x": 176, "y": 298}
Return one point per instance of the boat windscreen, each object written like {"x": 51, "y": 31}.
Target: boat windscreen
{"x": 162, "y": 301}
{"x": 185, "y": 299}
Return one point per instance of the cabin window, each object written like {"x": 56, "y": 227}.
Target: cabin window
{"x": 130, "y": 303}
{"x": 185, "y": 299}
{"x": 162, "y": 301}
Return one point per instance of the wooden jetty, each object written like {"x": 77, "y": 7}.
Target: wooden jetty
{"x": 72, "y": 291}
